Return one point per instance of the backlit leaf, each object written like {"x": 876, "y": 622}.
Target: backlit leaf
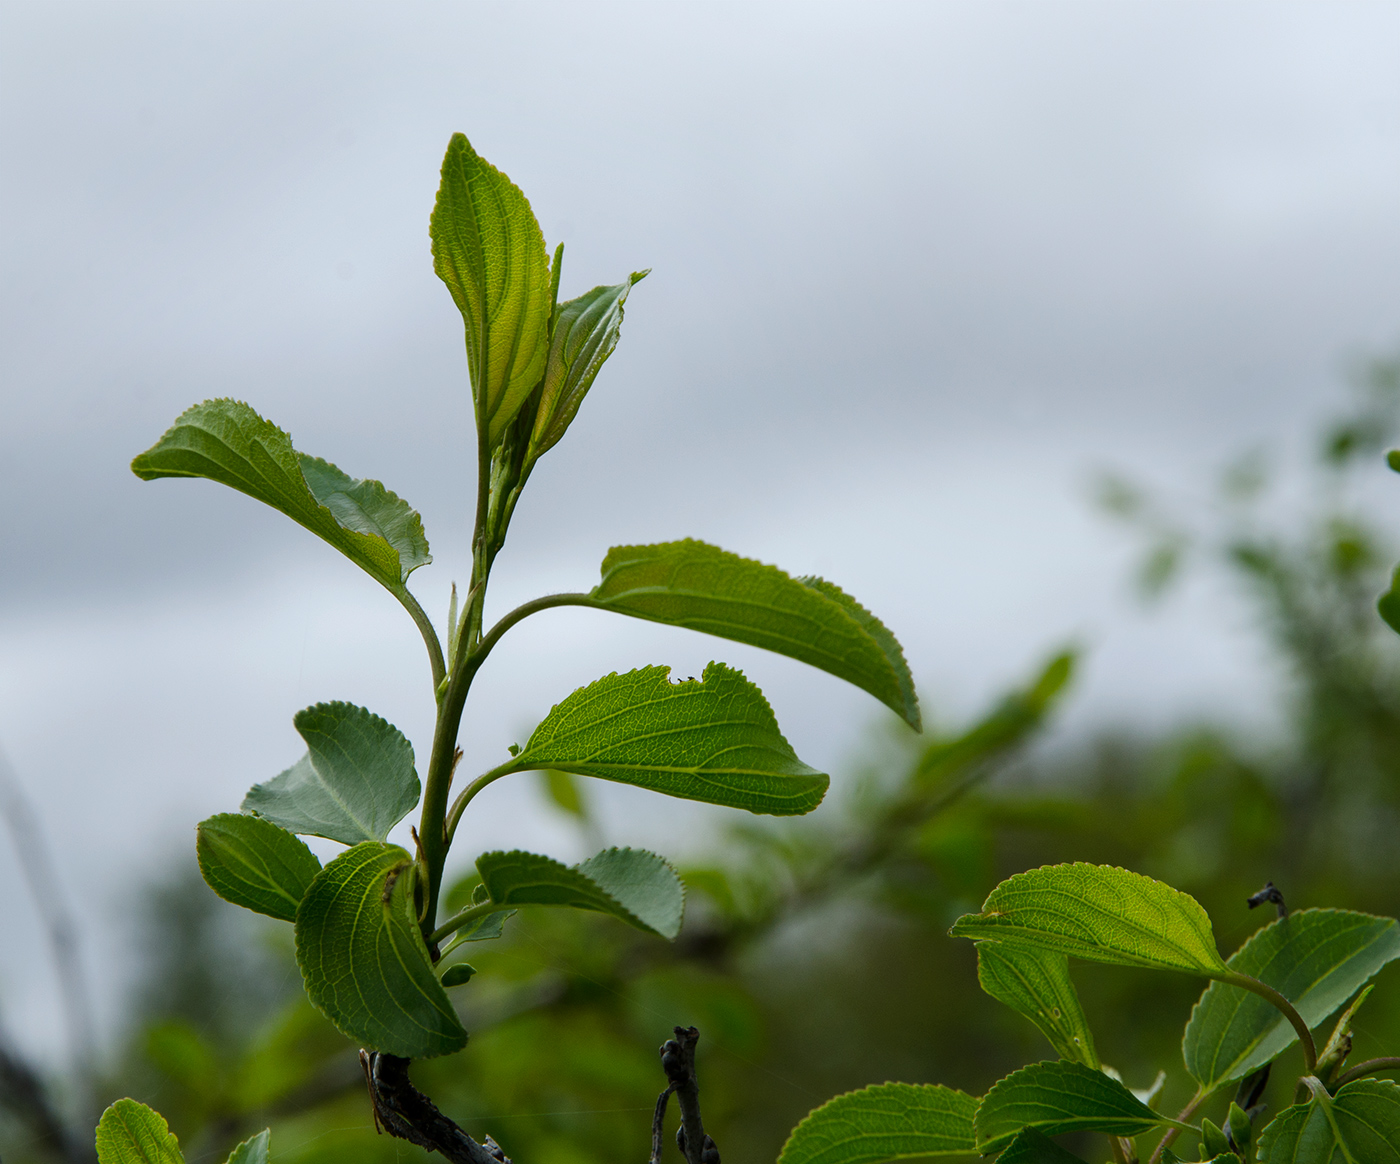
{"x": 1101, "y": 914}
{"x": 253, "y": 1151}
{"x": 1037, "y": 984}
{"x": 354, "y": 784}
{"x": 1364, "y": 1128}
{"x": 363, "y": 960}
{"x": 891, "y": 1121}
{"x": 704, "y": 588}
{"x": 715, "y": 740}
{"x": 131, "y": 1133}
{"x": 255, "y": 863}
{"x": 1316, "y": 958}
{"x": 488, "y": 249}
{"x": 1056, "y": 1097}
{"x": 226, "y": 441}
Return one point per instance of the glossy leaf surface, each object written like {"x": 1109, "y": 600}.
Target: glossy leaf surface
{"x": 715, "y": 740}
{"x": 1037, "y": 984}
{"x": 631, "y": 884}
{"x": 363, "y": 960}
{"x": 1057, "y": 1097}
{"x": 252, "y": 1151}
{"x": 1101, "y": 914}
{"x": 131, "y": 1133}
{"x": 255, "y": 863}
{"x": 1033, "y": 1147}
{"x": 699, "y": 586}
{"x": 1316, "y": 958}
{"x": 354, "y": 784}
{"x": 226, "y": 441}
{"x": 586, "y": 332}
{"x": 488, "y": 249}
{"x": 1364, "y": 1128}
{"x": 891, "y": 1121}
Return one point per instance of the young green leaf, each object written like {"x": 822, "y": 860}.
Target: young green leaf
{"x": 1056, "y": 1097}
{"x": 704, "y": 588}
{"x": 253, "y": 1151}
{"x": 458, "y": 975}
{"x": 631, "y": 884}
{"x": 226, "y": 441}
{"x": 586, "y": 332}
{"x": 890, "y": 1121}
{"x": 354, "y": 784}
{"x": 1037, "y": 984}
{"x": 1358, "y": 1125}
{"x": 131, "y": 1133}
{"x": 1316, "y": 958}
{"x": 715, "y": 740}
{"x": 485, "y": 928}
{"x": 1033, "y": 1147}
{"x": 255, "y": 863}
{"x": 1101, "y": 914}
{"x": 488, "y": 249}
{"x": 363, "y": 960}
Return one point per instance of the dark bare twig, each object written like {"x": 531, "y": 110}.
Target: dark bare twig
{"x": 1270, "y": 892}
{"x": 678, "y": 1061}
{"x": 658, "y": 1124}
{"x": 403, "y": 1111}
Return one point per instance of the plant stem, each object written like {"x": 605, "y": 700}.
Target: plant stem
{"x": 1370, "y": 1067}
{"x": 465, "y": 797}
{"x": 425, "y": 628}
{"x": 523, "y": 611}
{"x": 1186, "y": 1113}
{"x": 458, "y": 920}
{"x": 1263, "y": 990}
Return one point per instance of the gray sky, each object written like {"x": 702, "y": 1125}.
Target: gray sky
{"x": 919, "y": 270}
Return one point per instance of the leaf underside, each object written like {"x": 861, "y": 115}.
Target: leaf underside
{"x": 254, "y": 863}
{"x": 1033, "y": 1147}
{"x": 1037, "y": 984}
{"x": 890, "y": 1121}
{"x": 131, "y": 1133}
{"x": 701, "y": 587}
{"x": 1367, "y": 1118}
{"x": 715, "y": 741}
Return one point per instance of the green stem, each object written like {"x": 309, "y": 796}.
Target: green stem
{"x": 523, "y": 611}
{"x": 1370, "y": 1067}
{"x": 1264, "y": 991}
{"x": 1202, "y": 1094}
{"x": 469, "y": 792}
{"x": 457, "y": 921}
{"x": 425, "y": 628}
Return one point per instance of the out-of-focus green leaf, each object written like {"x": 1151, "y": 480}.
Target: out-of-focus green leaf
{"x": 563, "y": 791}
{"x": 1389, "y": 603}
{"x": 1101, "y": 914}
{"x": 586, "y": 331}
{"x": 354, "y": 784}
{"x": 715, "y": 740}
{"x": 253, "y": 1151}
{"x": 891, "y": 1121}
{"x": 704, "y": 588}
{"x": 1316, "y": 958}
{"x": 1358, "y": 1125}
{"x": 226, "y": 441}
{"x": 631, "y": 884}
{"x": 488, "y": 249}
{"x": 1032, "y": 1147}
{"x": 459, "y": 974}
{"x": 183, "y": 1055}
{"x": 1037, "y": 984}
{"x": 131, "y": 1133}
{"x": 363, "y": 960}
{"x": 1056, "y": 1097}
{"x": 255, "y": 863}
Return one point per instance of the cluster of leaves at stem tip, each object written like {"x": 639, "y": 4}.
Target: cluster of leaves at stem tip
{"x": 376, "y": 953}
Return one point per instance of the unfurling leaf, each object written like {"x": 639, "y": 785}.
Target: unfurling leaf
{"x": 1101, "y": 914}
{"x": 253, "y": 1151}
{"x": 891, "y": 1121}
{"x": 1056, "y": 1097}
{"x": 586, "y": 332}
{"x": 1037, "y": 984}
{"x": 226, "y": 441}
{"x": 488, "y": 249}
{"x": 354, "y": 784}
{"x": 715, "y": 740}
{"x": 1316, "y": 958}
{"x": 131, "y": 1133}
{"x": 704, "y": 588}
{"x": 363, "y": 960}
{"x": 631, "y": 884}
{"x": 255, "y": 863}
{"x": 1363, "y": 1128}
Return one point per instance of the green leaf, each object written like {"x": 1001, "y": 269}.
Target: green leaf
{"x": 1316, "y": 958}
{"x": 255, "y": 863}
{"x": 485, "y": 928}
{"x": 704, "y": 588}
{"x": 586, "y": 332}
{"x": 252, "y": 1151}
{"x": 1101, "y": 914}
{"x": 1359, "y": 1125}
{"x": 363, "y": 960}
{"x": 1056, "y": 1097}
{"x": 563, "y": 790}
{"x": 631, "y": 884}
{"x": 131, "y": 1133}
{"x": 891, "y": 1121}
{"x": 1389, "y": 603}
{"x": 354, "y": 784}
{"x": 1032, "y": 1147}
{"x": 1037, "y": 984}
{"x": 489, "y": 250}
{"x": 715, "y": 740}
{"x": 226, "y": 441}
{"x": 458, "y": 975}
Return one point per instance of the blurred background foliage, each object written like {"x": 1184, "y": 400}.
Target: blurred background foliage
{"x": 814, "y": 957}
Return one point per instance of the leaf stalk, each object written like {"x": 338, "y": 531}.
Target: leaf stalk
{"x": 1267, "y": 992}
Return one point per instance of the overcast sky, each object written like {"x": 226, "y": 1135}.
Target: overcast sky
{"x": 919, "y": 271}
